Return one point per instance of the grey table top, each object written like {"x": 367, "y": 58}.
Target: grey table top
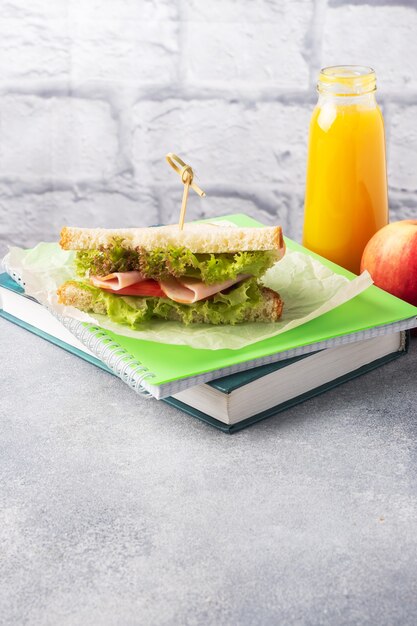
{"x": 120, "y": 510}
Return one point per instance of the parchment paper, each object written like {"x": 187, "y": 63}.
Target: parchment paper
{"x": 307, "y": 287}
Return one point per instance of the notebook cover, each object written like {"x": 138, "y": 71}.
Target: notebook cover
{"x": 171, "y": 363}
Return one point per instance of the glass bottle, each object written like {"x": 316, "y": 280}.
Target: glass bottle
{"x": 346, "y": 198}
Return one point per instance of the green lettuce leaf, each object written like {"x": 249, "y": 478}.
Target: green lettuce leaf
{"x": 161, "y": 263}
{"x": 224, "y": 308}
{"x": 106, "y": 260}
{"x": 210, "y": 268}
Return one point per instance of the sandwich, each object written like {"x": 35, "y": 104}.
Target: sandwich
{"x": 202, "y": 274}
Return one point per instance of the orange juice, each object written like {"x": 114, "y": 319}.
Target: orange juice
{"x": 346, "y": 189}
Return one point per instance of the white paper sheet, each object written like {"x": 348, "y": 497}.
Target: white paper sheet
{"x": 307, "y": 287}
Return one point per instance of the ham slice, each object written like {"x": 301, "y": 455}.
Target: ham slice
{"x": 117, "y": 281}
{"x": 192, "y": 290}
{"x": 185, "y": 291}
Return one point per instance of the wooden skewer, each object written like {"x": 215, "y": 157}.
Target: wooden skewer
{"x": 187, "y": 176}
{"x": 184, "y": 204}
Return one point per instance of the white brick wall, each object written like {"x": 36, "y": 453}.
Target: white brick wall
{"x": 94, "y": 93}
{"x": 255, "y": 43}
{"x": 56, "y": 138}
{"x": 384, "y": 37}
{"x": 402, "y": 158}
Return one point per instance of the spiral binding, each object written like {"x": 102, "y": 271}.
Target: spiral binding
{"x": 10, "y": 272}
{"x": 120, "y": 361}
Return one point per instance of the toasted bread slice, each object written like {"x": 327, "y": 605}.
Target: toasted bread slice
{"x": 269, "y": 309}
{"x": 198, "y": 238}
{"x": 71, "y": 294}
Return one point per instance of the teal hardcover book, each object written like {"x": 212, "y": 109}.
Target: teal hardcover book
{"x": 239, "y": 400}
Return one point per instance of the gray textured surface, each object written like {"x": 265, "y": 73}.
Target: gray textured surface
{"x": 117, "y": 510}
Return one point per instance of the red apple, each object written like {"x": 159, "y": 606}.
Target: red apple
{"x": 391, "y": 259}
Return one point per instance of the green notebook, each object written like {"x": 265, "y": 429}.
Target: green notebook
{"x": 239, "y": 400}
{"x": 163, "y": 370}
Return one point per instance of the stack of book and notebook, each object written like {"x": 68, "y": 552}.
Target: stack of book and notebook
{"x": 231, "y": 389}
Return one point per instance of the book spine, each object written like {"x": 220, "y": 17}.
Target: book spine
{"x": 118, "y": 360}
